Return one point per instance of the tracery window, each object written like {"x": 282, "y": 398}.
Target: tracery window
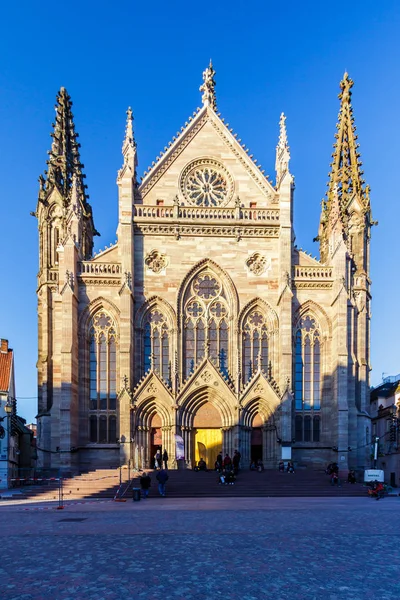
{"x": 156, "y": 344}
{"x": 307, "y": 376}
{"x": 103, "y": 379}
{"x": 206, "y": 325}
{"x": 255, "y": 344}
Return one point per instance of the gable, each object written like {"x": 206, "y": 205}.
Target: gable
{"x": 207, "y": 141}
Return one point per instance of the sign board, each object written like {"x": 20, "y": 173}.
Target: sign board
{"x": 180, "y": 447}
{"x": 373, "y": 475}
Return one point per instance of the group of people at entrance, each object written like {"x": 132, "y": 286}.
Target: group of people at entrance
{"x": 228, "y": 468}
{"x": 161, "y": 459}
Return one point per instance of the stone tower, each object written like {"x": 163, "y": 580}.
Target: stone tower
{"x": 344, "y": 237}
{"x": 66, "y": 233}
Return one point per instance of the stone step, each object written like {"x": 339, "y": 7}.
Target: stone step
{"x": 190, "y": 484}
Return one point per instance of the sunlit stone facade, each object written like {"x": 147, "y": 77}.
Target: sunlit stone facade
{"x": 204, "y": 320}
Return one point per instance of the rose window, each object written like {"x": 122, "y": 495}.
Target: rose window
{"x": 206, "y": 182}
{"x": 206, "y": 287}
{"x": 206, "y": 187}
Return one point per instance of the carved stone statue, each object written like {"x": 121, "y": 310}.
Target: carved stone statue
{"x": 208, "y": 87}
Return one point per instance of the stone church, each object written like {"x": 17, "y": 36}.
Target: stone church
{"x": 204, "y": 328}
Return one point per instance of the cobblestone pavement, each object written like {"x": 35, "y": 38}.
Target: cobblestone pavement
{"x": 280, "y": 548}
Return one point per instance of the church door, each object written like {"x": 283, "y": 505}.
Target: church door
{"x": 208, "y": 444}
{"x": 207, "y": 434}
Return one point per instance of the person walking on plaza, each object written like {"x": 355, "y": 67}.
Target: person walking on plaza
{"x": 162, "y": 478}
{"x": 145, "y": 483}
{"x": 165, "y": 459}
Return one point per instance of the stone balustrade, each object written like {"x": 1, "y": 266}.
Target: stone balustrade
{"x": 265, "y": 215}
{"x": 95, "y": 268}
{"x": 311, "y": 272}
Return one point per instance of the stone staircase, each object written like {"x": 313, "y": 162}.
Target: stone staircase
{"x": 99, "y": 484}
{"x": 251, "y": 484}
{"x": 104, "y": 484}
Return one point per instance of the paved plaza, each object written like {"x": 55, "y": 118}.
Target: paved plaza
{"x": 280, "y": 548}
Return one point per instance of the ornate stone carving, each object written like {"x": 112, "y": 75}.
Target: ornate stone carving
{"x": 208, "y": 230}
{"x": 152, "y": 389}
{"x": 208, "y": 87}
{"x": 258, "y": 264}
{"x": 258, "y": 389}
{"x": 206, "y": 376}
{"x": 156, "y": 261}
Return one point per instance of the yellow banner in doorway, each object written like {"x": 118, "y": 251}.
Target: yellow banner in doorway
{"x": 208, "y": 444}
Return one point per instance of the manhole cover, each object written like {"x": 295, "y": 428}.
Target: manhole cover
{"x": 72, "y": 520}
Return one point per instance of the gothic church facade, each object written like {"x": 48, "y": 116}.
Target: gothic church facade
{"x": 203, "y": 328}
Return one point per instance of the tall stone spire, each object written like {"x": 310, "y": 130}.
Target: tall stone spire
{"x": 282, "y": 151}
{"x": 346, "y": 185}
{"x": 208, "y": 87}
{"x": 63, "y": 187}
{"x": 64, "y": 158}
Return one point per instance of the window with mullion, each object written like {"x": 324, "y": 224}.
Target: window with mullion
{"x": 264, "y": 350}
{"x": 213, "y": 340}
{"x": 93, "y": 374}
{"x": 317, "y": 376}
{"x": 165, "y": 357}
{"x": 200, "y": 340}
{"x": 307, "y": 370}
{"x": 247, "y": 364}
{"x": 298, "y": 378}
{"x": 189, "y": 348}
{"x": 102, "y": 376}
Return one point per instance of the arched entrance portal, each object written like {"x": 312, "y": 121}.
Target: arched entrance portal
{"x": 207, "y": 434}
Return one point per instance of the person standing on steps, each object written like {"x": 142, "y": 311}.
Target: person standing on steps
{"x": 165, "y": 459}
{"x": 236, "y": 461}
{"x": 145, "y": 483}
{"x": 157, "y": 459}
{"x": 162, "y": 478}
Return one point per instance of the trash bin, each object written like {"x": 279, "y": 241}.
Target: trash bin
{"x": 136, "y": 494}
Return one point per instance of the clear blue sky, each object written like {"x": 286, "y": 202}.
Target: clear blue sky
{"x": 269, "y": 57}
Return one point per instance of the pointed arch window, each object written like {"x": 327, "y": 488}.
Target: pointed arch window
{"x": 156, "y": 344}
{"x": 254, "y": 344}
{"x": 102, "y": 377}
{"x": 307, "y": 378}
{"x": 206, "y": 324}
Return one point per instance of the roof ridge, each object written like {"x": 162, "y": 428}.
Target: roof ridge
{"x": 171, "y": 143}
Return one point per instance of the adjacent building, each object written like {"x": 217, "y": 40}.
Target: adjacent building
{"x": 385, "y": 414}
{"x": 8, "y": 414}
{"x": 204, "y": 324}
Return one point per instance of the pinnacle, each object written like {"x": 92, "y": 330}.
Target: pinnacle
{"x": 64, "y": 159}
{"x": 208, "y": 87}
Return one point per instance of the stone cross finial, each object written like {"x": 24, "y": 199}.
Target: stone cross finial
{"x": 283, "y": 141}
{"x": 208, "y": 87}
{"x": 129, "y": 141}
